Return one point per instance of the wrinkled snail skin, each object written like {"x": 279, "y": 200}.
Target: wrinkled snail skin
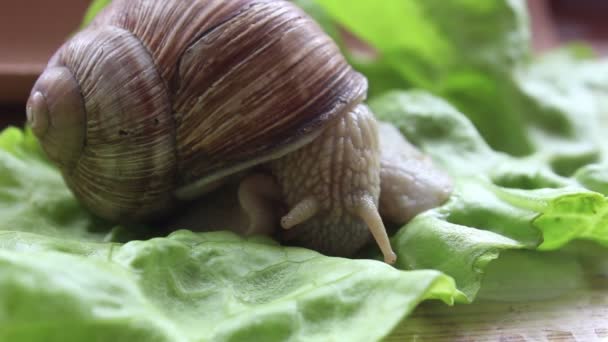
{"x": 410, "y": 183}
{"x": 334, "y": 180}
{"x": 161, "y": 101}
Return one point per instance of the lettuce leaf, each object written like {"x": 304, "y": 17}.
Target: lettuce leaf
{"x": 94, "y": 9}
{"x": 476, "y": 55}
{"x": 521, "y": 137}
{"x": 500, "y": 202}
{"x": 64, "y": 275}
{"x": 34, "y": 196}
{"x": 190, "y": 287}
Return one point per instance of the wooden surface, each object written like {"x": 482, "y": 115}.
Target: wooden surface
{"x": 580, "y": 314}
{"x": 30, "y": 32}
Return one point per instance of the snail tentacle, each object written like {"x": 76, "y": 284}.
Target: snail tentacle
{"x": 301, "y": 212}
{"x": 370, "y": 215}
{"x": 410, "y": 182}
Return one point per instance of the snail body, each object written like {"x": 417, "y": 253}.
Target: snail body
{"x": 157, "y": 102}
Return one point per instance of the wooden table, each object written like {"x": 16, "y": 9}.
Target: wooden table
{"x": 579, "y": 316}
{"x": 30, "y": 32}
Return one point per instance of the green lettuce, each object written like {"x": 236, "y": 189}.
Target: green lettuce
{"x": 95, "y": 7}
{"x": 500, "y": 202}
{"x": 184, "y": 287}
{"x": 198, "y": 287}
{"x": 520, "y": 135}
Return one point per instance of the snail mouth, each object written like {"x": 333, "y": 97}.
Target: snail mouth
{"x": 57, "y": 116}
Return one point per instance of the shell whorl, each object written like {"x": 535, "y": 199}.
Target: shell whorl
{"x": 179, "y": 91}
{"x": 126, "y": 169}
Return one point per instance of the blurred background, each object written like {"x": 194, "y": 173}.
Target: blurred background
{"x": 555, "y": 22}
{"x": 31, "y": 30}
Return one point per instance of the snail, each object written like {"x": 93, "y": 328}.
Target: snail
{"x": 158, "y": 102}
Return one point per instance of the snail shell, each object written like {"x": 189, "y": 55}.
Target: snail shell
{"x": 158, "y": 99}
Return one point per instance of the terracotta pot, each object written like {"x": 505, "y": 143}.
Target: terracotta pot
{"x": 30, "y": 31}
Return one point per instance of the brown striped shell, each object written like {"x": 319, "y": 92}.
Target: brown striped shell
{"x": 158, "y": 98}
